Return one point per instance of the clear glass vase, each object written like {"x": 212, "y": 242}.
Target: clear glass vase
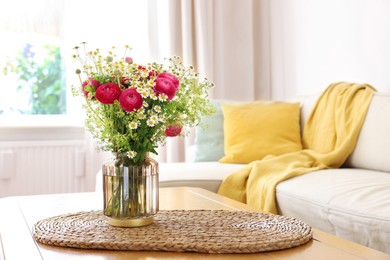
{"x": 130, "y": 191}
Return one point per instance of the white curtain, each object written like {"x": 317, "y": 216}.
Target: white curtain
{"x": 227, "y": 42}
{"x": 38, "y": 16}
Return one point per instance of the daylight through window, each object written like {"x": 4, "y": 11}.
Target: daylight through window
{"x": 33, "y": 75}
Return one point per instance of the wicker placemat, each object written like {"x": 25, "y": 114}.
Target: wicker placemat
{"x": 207, "y": 231}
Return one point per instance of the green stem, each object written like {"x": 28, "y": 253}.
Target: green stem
{"x": 93, "y": 111}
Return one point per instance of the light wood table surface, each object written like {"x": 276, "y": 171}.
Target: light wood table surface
{"x": 19, "y": 214}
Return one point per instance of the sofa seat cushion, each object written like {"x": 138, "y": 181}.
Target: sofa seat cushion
{"x": 207, "y": 175}
{"x": 350, "y": 203}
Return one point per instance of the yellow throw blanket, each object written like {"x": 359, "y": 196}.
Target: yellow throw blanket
{"x": 329, "y": 137}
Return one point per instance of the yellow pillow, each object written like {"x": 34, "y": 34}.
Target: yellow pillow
{"x": 254, "y": 130}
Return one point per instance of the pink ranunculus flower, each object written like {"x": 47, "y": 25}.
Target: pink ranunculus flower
{"x": 108, "y": 93}
{"x": 173, "y": 130}
{"x": 129, "y": 60}
{"x": 166, "y": 83}
{"x": 170, "y": 76}
{"x": 90, "y": 82}
{"x": 130, "y": 100}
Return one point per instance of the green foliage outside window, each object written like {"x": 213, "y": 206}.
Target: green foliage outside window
{"x": 40, "y": 76}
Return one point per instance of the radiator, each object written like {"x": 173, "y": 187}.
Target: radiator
{"x": 41, "y": 167}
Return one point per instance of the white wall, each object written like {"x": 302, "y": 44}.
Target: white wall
{"x": 315, "y": 43}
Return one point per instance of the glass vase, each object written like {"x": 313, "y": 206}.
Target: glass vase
{"x": 130, "y": 191}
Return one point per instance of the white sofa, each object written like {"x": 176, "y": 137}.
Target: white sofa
{"x": 352, "y": 202}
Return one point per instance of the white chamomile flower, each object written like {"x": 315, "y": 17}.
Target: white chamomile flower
{"x": 163, "y": 97}
{"x": 133, "y": 125}
{"x": 183, "y": 116}
{"x": 154, "y": 117}
{"x": 151, "y": 122}
{"x": 141, "y": 116}
{"x": 144, "y": 74}
{"x": 148, "y": 90}
{"x": 131, "y": 154}
{"x": 150, "y": 84}
{"x": 153, "y": 96}
{"x": 157, "y": 109}
{"x": 145, "y": 104}
{"x": 143, "y": 92}
{"x": 135, "y": 84}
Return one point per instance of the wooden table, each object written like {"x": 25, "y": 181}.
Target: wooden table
{"x": 19, "y": 214}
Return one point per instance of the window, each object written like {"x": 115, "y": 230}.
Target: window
{"x": 32, "y": 67}
{"x": 33, "y": 73}
{"x": 36, "y": 65}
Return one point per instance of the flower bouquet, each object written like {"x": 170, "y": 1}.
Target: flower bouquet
{"x": 131, "y": 109}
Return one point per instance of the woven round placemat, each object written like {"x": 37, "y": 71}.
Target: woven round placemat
{"x": 207, "y": 231}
